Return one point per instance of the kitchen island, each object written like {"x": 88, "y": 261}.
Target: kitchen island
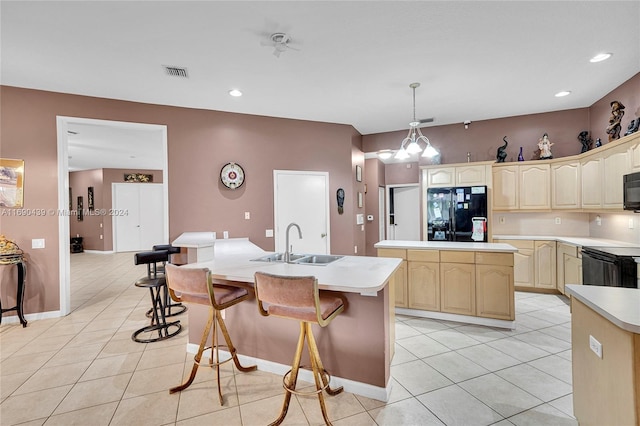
{"x": 356, "y": 348}
{"x": 605, "y": 346}
{"x": 456, "y": 281}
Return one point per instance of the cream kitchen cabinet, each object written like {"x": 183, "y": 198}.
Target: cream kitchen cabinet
{"x": 400, "y": 290}
{"x": 534, "y": 265}
{"x": 545, "y": 265}
{"x": 423, "y": 272}
{"x": 616, "y": 164}
{"x": 505, "y": 187}
{"x": 495, "y": 286}
{"x": 534, "y": 187}
{"x": 569, "y": 265}
{"x": 463, "y": 175}
{"x": 591, "y": 171}
{"x": 634, "y": 155}
{"x": 565, "y": 185}
{"x": 458, "y": 282}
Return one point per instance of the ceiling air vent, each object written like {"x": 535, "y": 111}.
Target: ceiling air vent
{"x": 176, "y": 71}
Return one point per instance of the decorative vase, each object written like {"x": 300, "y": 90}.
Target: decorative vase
{"x": 520, "y": 156}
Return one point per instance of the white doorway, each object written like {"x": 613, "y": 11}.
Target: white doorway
{"x": 137, "y": 226}
{"x": 403, "y": 212}
{"x": 381, "y": 215}
{"x": 63, "y": 133}
{"x": 303, "y": 198}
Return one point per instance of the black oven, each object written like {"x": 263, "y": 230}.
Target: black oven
{"x": 610, "y": 266}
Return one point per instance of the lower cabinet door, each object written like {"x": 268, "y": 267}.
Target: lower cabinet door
{"x": 400, "y": 285}
{"x": 494, "y": 292}
{"x": 424, "y": 285}
{"x": 458, "y": 287}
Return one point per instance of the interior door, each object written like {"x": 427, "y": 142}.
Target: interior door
{"x": 406, "y": 213}
{"x": 303, "y": 198}
{"x": 138, "y": 222}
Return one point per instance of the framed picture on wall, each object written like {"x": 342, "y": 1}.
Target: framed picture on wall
{"x": 358, "y": 173}
{"x": 90, "y": 198}
{"x": 80, "y": 213}
{"x": 11, "y": 183}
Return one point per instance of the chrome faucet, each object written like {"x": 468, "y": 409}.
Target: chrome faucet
{"x": 287, "y": 251}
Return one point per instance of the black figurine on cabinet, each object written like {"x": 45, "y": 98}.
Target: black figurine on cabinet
{"x": 633, "y": 127}
{"x": 585, "y": 140}
{"x": 501, "y": 154}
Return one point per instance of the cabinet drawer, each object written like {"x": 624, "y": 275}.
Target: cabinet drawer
{"x": 451, "y": 256}
{"x": 423, "y": 255}
{"x": 502, "y": 259}
{"x": 399, "y": 253}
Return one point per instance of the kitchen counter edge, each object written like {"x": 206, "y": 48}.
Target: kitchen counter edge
{"x": 619, "y": 305}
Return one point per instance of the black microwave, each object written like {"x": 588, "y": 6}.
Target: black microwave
{"x": 631, "y": 192}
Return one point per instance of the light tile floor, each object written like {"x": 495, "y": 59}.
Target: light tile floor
{"x": 84, "y": 369}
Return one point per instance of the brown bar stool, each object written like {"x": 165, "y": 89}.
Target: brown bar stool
{"x": 299, "y": 298}
{"x": 195, "y": 285}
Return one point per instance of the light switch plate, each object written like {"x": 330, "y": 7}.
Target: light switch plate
{"x": 595, "y": 346}
{"x": 268, "y": 233}
{"x": 37, "y": 243}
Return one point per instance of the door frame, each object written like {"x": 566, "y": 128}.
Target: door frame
{"x": 64, "y": 255}
{"x": 388, "y": 206}
{"x": 276, "y": 173}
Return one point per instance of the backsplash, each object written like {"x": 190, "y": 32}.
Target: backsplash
{"x": 615, "y": 226}
{"x": 571, "y": 224}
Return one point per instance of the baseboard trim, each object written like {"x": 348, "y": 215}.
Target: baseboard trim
{"x": 351, "y": 386}
{"x": 488, "y": 322}
{"x": 32, "y": 317}
{"x": 99, "y": 251}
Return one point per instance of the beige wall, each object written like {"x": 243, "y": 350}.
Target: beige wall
{"x": 200, "y": 142}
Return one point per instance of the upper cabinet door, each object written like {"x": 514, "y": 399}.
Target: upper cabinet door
{"x": 441, "y": 177}
{"x": 534, "y": 187}
{"x": 505, "y": 187}
{"x": 471, "y": 175}
{"x": 591, "y": 171}
{"x": 615, "y": 165}
{"x": 565, "y": 185}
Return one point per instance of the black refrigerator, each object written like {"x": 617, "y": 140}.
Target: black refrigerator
{"x": 457, "y": 214}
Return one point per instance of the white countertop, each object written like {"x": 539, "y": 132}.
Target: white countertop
{"x": 352, "y": 274}
{"x": 576, "y": 241}
{"x": 195, "y": 239}
{"x": 446, "y": 245}
{"x": 619, "y": 305}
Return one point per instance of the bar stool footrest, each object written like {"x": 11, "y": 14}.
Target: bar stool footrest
{"x": 212, "y": 364}
{"x": 159, "y": 328}
{"x": 325, "y": 373}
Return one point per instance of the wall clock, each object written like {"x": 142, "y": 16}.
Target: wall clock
{"x": 232, "y": 175}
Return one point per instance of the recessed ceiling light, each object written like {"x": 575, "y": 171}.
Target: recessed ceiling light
{"x": 600, "y": 57}
{"x": 235, "y": 92}
{"x": 562, "y": 93}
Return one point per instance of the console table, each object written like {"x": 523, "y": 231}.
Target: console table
{"x": 22, "y": 272}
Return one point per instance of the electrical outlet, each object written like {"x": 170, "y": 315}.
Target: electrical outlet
{"x": 37, "y": 243}
{"x": 355, "y": 249}
{"x": 268, "y": 233}
{"x": 598, "y": 220}
{"x": 595, "y": 346}
{"x": 502, "y": 220}
{"x": 100, "y": 236}
{"x": 558, "y": 221}
{"x": 631, "y": 223}
{"x": 225, "y": 234}
{"x": 247, "y": 215}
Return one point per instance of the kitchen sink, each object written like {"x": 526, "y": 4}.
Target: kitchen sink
{"x": 302, "y": 259}
{"x": 278, "y": 257}
{"x": 318, "y": 259}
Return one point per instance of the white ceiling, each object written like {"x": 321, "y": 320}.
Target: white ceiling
{"x": 475, "y": 60}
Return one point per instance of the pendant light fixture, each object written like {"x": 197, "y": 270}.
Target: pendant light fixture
{"x": 410, "y": 144}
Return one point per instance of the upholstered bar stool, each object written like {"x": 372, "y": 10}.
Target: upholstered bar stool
{"x": 195, "y": 285}
{"x": 298, "y": 298}
{"x": 170, "y": 309}
{"x": 159, "y": 329}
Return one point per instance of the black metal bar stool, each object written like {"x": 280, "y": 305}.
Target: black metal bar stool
{"x": 170, "y": 309}
{"x": 298, "y": 298}
{"x": 159, "y": 329}
{"x": 195, "y": 285}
